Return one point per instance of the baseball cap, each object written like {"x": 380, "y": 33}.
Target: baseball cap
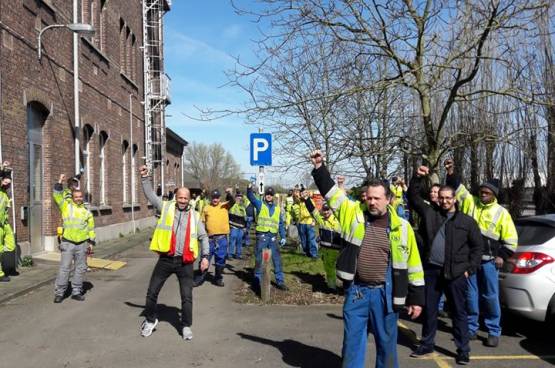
{"x": 326, "y": 207}
{"x": 269, "y": 190}
{"x": 215, "y": 193}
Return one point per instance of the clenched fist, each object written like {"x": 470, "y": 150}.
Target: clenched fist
{"x": 317, "y": 158}
{"x": 422, "y": 171}
{"x": 143, "y": 170}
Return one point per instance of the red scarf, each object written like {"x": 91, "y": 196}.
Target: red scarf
{"x": 188, "y": 255}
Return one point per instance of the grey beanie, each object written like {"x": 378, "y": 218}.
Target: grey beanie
{"x": 493, "y": 185}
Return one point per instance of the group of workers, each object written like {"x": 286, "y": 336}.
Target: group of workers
{"x": 385, "y": 267}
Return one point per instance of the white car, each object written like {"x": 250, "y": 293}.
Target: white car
{"x": 527, "y": 280}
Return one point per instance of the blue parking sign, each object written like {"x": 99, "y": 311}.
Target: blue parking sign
{"x": 261, "y": 149}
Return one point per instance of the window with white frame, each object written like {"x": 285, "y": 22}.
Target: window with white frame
{"x": 124, "y": 168}
{"x": 133, "y": 174}
{"x": 103, "y": 141}
{"x": 87, "y": 134}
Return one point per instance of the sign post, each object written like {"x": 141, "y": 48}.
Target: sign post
{"x": 261, "y": 155}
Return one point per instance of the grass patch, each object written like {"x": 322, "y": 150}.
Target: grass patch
{"x": 304, "y": 277}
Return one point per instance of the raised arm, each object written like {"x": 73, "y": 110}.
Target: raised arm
{"x": 147, "y": 188}
{"x": 58, "y": 191}
{"x": 413, "y": 193}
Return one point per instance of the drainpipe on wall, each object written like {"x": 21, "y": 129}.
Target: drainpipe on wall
{"x": 76, "y": 87}
{"x": 132, "y": 166}
{"x": 182, "y": 169}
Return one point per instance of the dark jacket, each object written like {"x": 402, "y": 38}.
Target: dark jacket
{"x": 463, "y": 239}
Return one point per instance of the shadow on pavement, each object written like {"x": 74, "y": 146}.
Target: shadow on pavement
{"x": 164, "y": 313}
{"x": 334, "y": 316}
{"x": 297, "y": 354}
{"x": 539, "y": 337}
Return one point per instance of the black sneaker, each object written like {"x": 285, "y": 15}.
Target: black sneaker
{"x": 58, "y": 299}
{"x": 492, "y": 341}
{"x": 463, "y": 358}
{"x": 473, "y": 337}
{"x": 421, "y": 352}
{"x": 282, "y": 287}
{"x": 5, "y": 278}
{"x": 198, "y": 282}
{"x": 78, "y": 297}
{"x": 443, "y": 314}
{"x": 219, "y": 282}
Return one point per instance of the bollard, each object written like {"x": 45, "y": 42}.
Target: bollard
{"x": 266, "y": 274}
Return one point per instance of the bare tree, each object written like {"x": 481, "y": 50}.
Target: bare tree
{"x": 433, "y": 50}
{"x": 211, "y": 165}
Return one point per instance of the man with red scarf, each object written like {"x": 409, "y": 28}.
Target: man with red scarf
{"x": 176, "y": 239}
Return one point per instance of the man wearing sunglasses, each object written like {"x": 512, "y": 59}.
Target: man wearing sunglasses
{"x": 452, "y": 250}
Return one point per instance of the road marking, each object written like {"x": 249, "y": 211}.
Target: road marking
{"x": 439, "y": 360}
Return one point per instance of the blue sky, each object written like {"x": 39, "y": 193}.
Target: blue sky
{"x": 201, "y": 38}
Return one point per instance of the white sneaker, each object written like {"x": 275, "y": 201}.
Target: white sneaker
{"x": 187, "y": 333}
{"x": 148, "y": 327}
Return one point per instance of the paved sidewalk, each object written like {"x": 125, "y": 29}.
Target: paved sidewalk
{"x": 32, "y": 278}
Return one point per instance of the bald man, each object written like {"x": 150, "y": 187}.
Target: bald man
{"x": 176, "y": 240}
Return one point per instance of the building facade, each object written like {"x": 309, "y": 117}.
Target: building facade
{"x": 41, "y": 126}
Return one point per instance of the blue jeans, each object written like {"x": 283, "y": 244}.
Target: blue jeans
{"x": 218, "y": 249}
{"x": 235, "y": 242}
{"x": 362, "y": 315}
{"x": 483, "y": 290}
{"x": 308, "y": 240}
{"x": 246, "y": 240}
{"x": 270, "y": 241}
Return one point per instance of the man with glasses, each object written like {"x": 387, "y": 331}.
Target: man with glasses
{"x": 500, "y": 242}
{"x": 268, "y": 225}
{"x": 452, "y": 249}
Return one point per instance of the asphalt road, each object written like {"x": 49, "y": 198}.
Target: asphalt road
{"x": 104, "y": 331}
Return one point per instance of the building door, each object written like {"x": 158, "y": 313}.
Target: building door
{"x": 35, "y": 122}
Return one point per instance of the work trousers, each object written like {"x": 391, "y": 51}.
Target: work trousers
{"x": 263, "y": 241}
{"x": 218, "y": 250}
{"x": 76, "y": 253}
{"x": 483, "y": 292}
{"x": 7, "y": 242}
{"x": 308, "y": 240}
{"x": 246, "y": 238}
{"x": 329, "y": 258}
{"x": 165, "y": 267}
{"x": 235, "y": 242}
{"x": 365, "y": 311}
{"x": 455, "y": 290}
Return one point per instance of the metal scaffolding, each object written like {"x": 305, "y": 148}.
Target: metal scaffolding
{"x": 156, "y": 86}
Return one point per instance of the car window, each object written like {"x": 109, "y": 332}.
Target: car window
{"x": 534, "y": 234}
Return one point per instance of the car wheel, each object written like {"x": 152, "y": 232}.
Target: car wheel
{"x": 550, "y": 316}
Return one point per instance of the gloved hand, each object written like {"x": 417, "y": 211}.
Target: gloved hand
{"x": 282, "y": 242}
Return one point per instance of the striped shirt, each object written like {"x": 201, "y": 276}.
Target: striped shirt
{"x": 373, "y": 258}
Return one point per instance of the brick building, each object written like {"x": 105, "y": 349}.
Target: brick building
{"x": 37, "y": 119}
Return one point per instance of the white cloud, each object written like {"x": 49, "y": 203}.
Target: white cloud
{"x": 233, "y": 32}
{"x": 181, "y": 48}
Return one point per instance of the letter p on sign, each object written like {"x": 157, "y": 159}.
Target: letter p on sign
{"x": 261, "y": 149}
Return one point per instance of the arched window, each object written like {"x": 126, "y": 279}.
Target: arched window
{"x": 124, "y": 149}
{"x": 103, "y": 140}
